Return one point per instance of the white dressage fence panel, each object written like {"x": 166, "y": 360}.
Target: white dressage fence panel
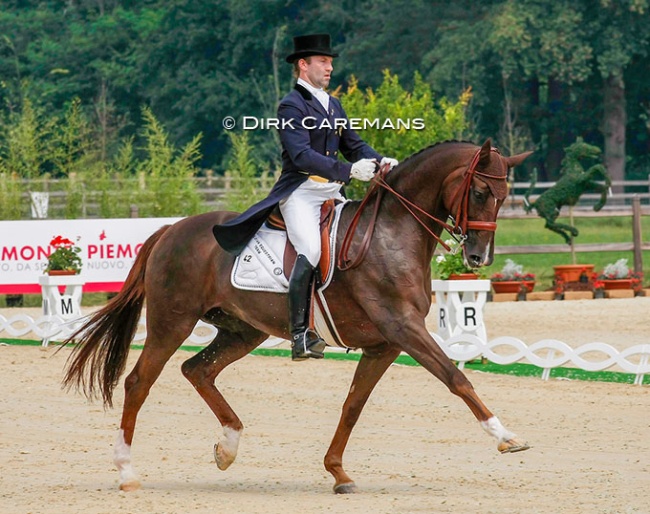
{"x": 546, "y": 354}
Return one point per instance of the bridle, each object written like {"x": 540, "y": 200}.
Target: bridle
{"x": 458, "y": 229}
{"x": 461, "y": 223}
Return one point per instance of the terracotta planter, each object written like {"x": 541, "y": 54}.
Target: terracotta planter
{"x": 572, "y": 272}
{"x": 618, "y": 283}
{"x": 463, "y": 276}
{"x": 61, "y": 272}
{"x": 507, "y": 286}
{"x": 529, "y": 285}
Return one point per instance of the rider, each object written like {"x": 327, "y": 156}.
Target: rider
{"x": 313, "y": 129}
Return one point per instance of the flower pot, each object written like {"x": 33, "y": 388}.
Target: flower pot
{"x": 507, "y": 286}
{"x": 463, "y": 276}
{"x": 573, "y": 272}
{"x": 61, "y": 272}
{"x": 617, "y": 283}
{"x": 529, "y": 285}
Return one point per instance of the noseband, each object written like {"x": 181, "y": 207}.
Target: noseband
{"x": 460, "y": 222}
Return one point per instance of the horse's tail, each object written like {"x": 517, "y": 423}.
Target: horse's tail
{"x": 528, "y": 206}
{"x": 99, "y": 358}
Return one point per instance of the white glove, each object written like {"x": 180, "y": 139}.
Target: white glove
{"x": 390, "y": 161}
{"x": 363, "y": 169}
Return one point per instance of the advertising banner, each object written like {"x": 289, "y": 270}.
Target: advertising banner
{"x": 108, "y": 250}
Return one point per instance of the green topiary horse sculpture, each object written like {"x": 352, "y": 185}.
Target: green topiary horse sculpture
{"x": 573, "y": 182}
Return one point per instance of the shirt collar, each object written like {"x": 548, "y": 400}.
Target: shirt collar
{"x": 313, "y": 90}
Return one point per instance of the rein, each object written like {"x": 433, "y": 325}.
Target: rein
{"x": 457, "y": 230}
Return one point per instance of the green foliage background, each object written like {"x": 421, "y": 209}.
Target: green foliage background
{"x": 539, "y": 70}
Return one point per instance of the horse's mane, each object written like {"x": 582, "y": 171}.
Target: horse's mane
{"x": 412, "y": 160}
{"x": 430, "y": 148}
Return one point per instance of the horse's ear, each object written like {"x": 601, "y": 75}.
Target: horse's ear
{"x": 516, "y": 160}
{"x": 484, "y": 154}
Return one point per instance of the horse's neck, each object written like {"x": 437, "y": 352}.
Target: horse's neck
{"x": 408, "y": 225}
{"x": 423, "y": 185}
{"x": 421, "y": 182}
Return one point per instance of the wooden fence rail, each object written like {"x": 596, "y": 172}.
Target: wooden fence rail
{"x": 637, "y": 246}
{"x": 214, "y": 188}
{"x": 622, "y": 192}
{"x": 628, "y": 198}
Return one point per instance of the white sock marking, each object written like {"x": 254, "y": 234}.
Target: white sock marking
{"x": 122, "y": 459}
{"x": 229, "y": 441}
{"x": 494, "y": 427}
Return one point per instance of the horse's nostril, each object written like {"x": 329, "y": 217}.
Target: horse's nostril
{"x": 475, "y": 260}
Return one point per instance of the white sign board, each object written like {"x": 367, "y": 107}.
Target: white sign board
{"x": 108, "y": 250}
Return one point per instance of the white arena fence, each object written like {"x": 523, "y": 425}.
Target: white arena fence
{"x": 545, "y": 354}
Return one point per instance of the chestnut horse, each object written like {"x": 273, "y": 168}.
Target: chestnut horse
{"x": 379, "y": 305}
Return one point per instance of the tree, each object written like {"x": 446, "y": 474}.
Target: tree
{"x": 243, "y": 168}
{"x": 621, "y": 32}
{"x": 399, "y": 123}
{"x": 165, "y": 171}
{"x": 546, "y": 45}
{"x": 25, "y": 142}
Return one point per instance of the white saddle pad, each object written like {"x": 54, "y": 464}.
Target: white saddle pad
{"x": 259, "y": 266}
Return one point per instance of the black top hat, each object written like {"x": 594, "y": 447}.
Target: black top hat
{"x": 312, "y": 44}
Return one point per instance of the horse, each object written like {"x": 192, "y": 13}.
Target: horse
{"x": 379, "y": 304}
{"x": 574, "y": 181}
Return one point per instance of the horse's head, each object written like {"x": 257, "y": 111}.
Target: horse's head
{"x": 474, "y": 195}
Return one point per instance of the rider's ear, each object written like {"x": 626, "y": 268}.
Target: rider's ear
{"x": 516, "y": 160}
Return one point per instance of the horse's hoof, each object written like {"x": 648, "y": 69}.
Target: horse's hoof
{"x": 132, "y": 485}
{"x": 513, "y": 446}
{"x": 348, "y": 488}
{"x": 222, "y": 458}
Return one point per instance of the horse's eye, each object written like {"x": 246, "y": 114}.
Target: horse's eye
{"x": 479, "y": 196}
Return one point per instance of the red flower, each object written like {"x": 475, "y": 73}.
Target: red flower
{"x": 60, "y": 241}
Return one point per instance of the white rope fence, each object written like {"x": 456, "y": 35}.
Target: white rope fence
{"x": 546, "y": 354}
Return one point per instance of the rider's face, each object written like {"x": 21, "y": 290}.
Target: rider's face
{"x": 316, "y": 70}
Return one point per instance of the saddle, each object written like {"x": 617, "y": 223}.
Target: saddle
{"x": 276, "y": 222}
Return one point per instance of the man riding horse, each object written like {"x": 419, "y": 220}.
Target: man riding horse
{"x": 314, "y": 128}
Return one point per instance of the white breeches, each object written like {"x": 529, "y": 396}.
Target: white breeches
{"x": 301, "y": 213}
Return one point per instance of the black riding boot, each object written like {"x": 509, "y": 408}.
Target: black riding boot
{"x": 305, "y": 343}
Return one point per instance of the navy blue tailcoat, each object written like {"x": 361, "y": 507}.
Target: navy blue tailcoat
{"x": 309, "y": 147}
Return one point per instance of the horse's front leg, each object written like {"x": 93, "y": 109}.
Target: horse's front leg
{"x": 419, "y": 344}
{"x": 373, "y": 364}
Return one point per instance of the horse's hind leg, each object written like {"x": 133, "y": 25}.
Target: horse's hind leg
{"x": 232, "y": 343}
{"x": 156, "y": 352}
{"x": 373, "y": 364}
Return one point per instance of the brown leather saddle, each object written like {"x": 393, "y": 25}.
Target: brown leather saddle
{"x": 276, "y": 221}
